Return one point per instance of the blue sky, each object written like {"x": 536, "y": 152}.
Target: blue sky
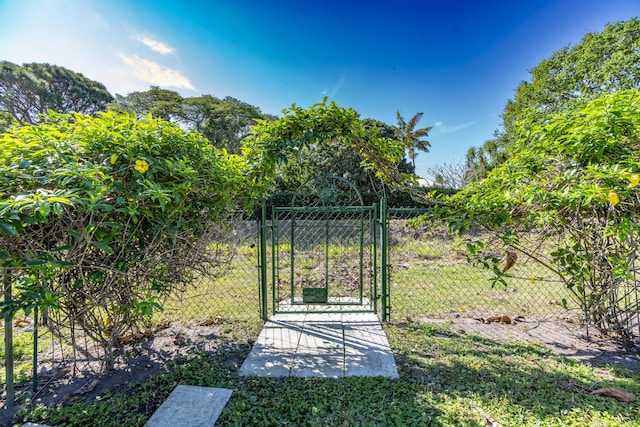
{"x": 456, "y": 61}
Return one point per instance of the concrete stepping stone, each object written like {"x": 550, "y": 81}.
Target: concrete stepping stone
{"x": 191, "y": 406}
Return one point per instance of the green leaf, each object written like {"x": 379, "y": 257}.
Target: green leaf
{"x": 8, "y": 229}
{"x": 103, "y": 247}
{"x": 74, "y": 233}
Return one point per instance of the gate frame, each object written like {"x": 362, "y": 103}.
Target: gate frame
{"x": 268, "y": 230}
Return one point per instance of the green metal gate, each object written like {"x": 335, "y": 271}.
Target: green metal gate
{"x": 323, "y": 250}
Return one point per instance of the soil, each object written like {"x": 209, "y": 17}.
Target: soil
{"x": 134, "y": 363}
{"x": 562, "y": 336}
{"x": 139, "y": 361}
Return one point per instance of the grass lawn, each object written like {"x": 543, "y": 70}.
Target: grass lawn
{"x": 446, "y": 379}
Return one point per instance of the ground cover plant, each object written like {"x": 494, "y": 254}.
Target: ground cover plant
{"x": 446, "y": 378}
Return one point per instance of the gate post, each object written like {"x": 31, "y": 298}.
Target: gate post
{"x": 263, "y": 262}
{"x": 8, "y": 341}
{"x": 386, "y": 309}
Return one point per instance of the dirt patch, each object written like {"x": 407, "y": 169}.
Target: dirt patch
{"x": 63, "y": 383}
{"x": 563, "y": 337}
{"x": 137, "y": 362}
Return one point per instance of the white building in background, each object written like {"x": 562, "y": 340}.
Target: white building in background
{"x": 425, "y": 182}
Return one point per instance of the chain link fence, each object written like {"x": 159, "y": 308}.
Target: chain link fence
{"x": 429, "y": 278}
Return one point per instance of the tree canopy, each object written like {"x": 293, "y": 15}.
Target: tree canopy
{"x": 326, "y": 126}
{"x": 602, "y": 63}
{"x": 30, "y": 90}
{"x": 225, "y": 122}
{"x": 334, "y": 157}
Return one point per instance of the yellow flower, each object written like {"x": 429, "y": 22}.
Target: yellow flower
{"x": 613, "y": 199}
{"x": 141, "y": 166}
{"x": 533, "y": 279}
{"x": 634, "y": 179}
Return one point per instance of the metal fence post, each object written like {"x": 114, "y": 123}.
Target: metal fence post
{"x": 8, "y": 342}
{"x": 383, "y": 261}
{"x": 263, "y": 262}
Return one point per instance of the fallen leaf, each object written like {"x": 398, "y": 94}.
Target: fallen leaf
{"x": 178, "y": 339}
{"x": 164, "y": 324}
{"x": 20, "y": 321}
{"x": 616, "y": 393}
{"x": 147, "y": 332}
{"x": 211, "y": 321}
{"x": 62, "y": 372}
{"x": 126, "y": 338}
{"x": 84, "y": 389}
{"x": 501, "y": 319}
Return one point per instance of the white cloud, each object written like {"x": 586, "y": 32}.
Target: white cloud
{"x": 153, "y": 44}
{"x": 335, "y": 88}
{"x": 156, "y": 74}
{"x": 450, "y": 129}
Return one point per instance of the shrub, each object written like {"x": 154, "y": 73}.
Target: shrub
{"x": 102, "y": 217}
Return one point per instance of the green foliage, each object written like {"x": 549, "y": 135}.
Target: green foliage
{"x": 225, "y": 122}
{"x": 110, "y": 214}
{"x": 30, "y": 90}
{"x": 331, "y": 125}
{"x": 332, "y": 157}
{"x": 602, "y": 63}
{"x": 446, "y": 379}
{"x": 6, "y": 121}
{"x": 573, "y": 179}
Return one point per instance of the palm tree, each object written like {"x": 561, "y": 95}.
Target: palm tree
{"x": 412, "y": 138}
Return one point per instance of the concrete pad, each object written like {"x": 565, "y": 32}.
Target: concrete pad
{"x": 323, "y": 318}
{"x": 321, "y": 345}
{"x": 287, "y": 318}
{"x": 321, "y": 339}
{"x": 326, "y": 365}
{"x": 191, "y": 406}
{"x": 282, "y": 338}
{"x": 360, "y": 318}
{"x": 267, "y": 362}
{"x": 366, "y": 339}
{"x": 371, "y": 363}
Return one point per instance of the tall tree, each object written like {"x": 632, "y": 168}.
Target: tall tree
{"x": 230, "y": 121}
{"x": 225, "y": 122}
{"x": 30, "y": 90}
{"x": 600, "y": 64}
{"x": 412, "y": 138}
{"x": 162, "y": 103}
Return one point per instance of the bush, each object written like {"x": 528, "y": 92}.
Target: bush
{"x": 573, "y": 180}
{"x": 100, "y": 218}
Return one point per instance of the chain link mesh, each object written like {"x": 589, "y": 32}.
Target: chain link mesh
{"x": 430, "y": 276}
